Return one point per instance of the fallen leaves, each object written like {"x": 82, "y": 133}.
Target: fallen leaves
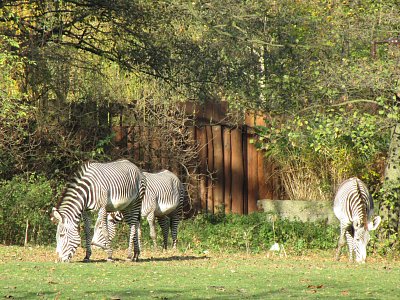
{"x": 344, "y": 293}
{"x": 314, "y": 288}
{"x": 217, "y": 287}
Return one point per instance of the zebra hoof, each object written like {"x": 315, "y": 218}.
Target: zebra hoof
{"x": 86, "y": 260}
{"x": 110, "y": 259}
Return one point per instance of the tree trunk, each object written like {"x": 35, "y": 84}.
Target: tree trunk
{"x": 389, "y": 208}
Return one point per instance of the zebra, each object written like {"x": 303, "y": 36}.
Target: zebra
{"x": 163, "y": 200}
{"x": 354, "y": 207}
{"x": 107, "y": 187}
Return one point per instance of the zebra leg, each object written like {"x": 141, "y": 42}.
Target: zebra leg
{"x": 139, "y": 235}
{"x": 133, "y": 221}
{"x": 341, "y": 243}
{"x": 164, "y": 222}
{"x": 175, "y": 218}
{"x": 104, "y": 230}
{"x": 174, "y": 229}
{"x": 134, "y": 243}
{"x": 350, "y": 244}
{"x": 152, "y": 225}
{"x": 88, "y": 235}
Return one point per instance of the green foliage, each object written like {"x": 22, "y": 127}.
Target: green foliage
{"x": 233, "y": 233}
{"x": 389, "y": 208}
{"x": 326, "y": 148}
{"x": 26, "y": 200}
{"x": 254, "y": 233}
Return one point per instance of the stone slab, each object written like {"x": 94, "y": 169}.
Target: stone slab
{"x": 305, "y": 211}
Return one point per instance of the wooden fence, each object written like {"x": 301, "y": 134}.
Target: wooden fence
{"x": 239, "y": 174}
{"x": 232, "y": 174}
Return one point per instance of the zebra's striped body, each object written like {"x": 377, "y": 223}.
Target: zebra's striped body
{"x": 163, "y": 200}
{"x": 354, "y": 207}
{"x": 107, "y": 187}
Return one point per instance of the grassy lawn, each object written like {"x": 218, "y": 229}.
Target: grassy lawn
{"x": 31, "y": 273}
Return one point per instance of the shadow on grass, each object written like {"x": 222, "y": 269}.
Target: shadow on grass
{"x": 150, "y": 259}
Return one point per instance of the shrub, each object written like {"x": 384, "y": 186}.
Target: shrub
{"x": 252, "y": 233}
{"x": 26, "y": 200}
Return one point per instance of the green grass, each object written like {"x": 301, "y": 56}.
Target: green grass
{"x": 30, "y": 273}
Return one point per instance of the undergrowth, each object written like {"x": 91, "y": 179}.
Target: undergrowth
{"x": 252, "y": 233}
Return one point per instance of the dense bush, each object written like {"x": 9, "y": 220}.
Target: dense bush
{"x": 317, "y": 152}
{"x": 26, "y": 200}
{"x": 253, "y": 233}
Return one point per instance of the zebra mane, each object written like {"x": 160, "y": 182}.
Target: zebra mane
{"x": 72, "y": 183}
{"x": 360, "y": 195}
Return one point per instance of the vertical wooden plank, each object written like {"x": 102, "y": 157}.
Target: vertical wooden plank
{"x": 237, "y": 171}
{"x": 193, "y": 183}
{"x": 227, "y": 170}
{"x": 210, "y": 169}
{"x": 134, "y": 139}
{"x": 120, "y": 140}
{"x": 251, "y": 164}
{"x": 131, "y": 141}
{"x": 146, "y": 149}
{"x": 154, "y": 152}
{"x": 202, "y": 139}
{"x": 265, "y": 186}
{"x": 245, "y": 173}
{"x": 252, "y": 175}
{"x": 264, "y": 169}
{"x": 218, "y": 186}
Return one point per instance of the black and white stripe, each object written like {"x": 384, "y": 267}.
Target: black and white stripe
{"x": 107, "y": 187}
{"x": 354, "y": 207}
{"x": 163, "y": 200}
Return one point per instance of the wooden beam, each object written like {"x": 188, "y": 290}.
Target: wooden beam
{"x": 237, "y": 171}
{"x": 227, "y": 170}
{"x": 202, "y": 138}
{"x": 210, "y": 169}
{"x": 218, "y": 186}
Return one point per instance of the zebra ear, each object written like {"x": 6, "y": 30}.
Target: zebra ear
{"x": 55, "y": 216}
{"x": 375, "y": 223}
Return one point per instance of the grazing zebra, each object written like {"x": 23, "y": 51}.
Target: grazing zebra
{"x": 107, "y": 187}
{"x": 353, "y": 206}
{"x": 163, "y": 200}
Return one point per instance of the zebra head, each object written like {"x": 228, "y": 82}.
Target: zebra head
{"x": 98, "y": 239}
{"x": 362, "y": 236}
{"x": 67, "y": 236}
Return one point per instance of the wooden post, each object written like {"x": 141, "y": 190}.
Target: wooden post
{"x": 135, "y": 137}
{"x": 227, "y": 170}
{"x": 245, "y": 173}
{"x": 210, "y": 169}
{"x": 130, "y": 141}
{"x": 218, "y": 186}
{"x": 193, "y": 184}
{"x": 155, "y": 153}
{"x": 264, "y": 170}
{"x": 202, "y": 138}
{"x": 252, "y": 165}
{"x": 120, "y": 139}
{"x": 26, "y": 233}
{"x": 265, "y": 186}
{"x": 252, "y": 176}
{"x": 237, "y": 171}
